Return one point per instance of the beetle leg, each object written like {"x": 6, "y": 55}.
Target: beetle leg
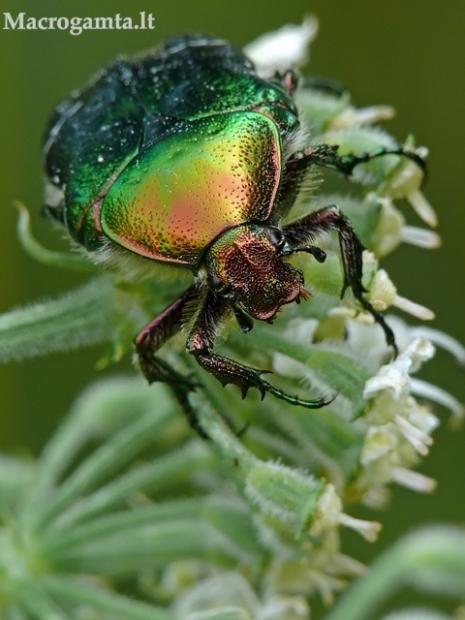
{"x": 326, "y": 156}
{"x": 200, "y": 344}
{"x": 162, "y": 328}
{"x": 152, "y": 337}
{"x": 330, "y": 219}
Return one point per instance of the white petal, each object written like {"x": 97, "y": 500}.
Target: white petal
{"x": 421, "y": 312}
{"x": 418, "y": 351}
{"x": 374, "y": 114}
{"x": 414, "y": 435}
{"x": 392, "y": 377}
{"x": 363, "y": 116}
{"x": 440, "y": 396}
{"x": 325, "y": 586}
{"x": 413, "y": 480}
{"x": 442, "y": 340}
{"x": 379, "y": 441}
{"x": 421, "y": 237}
{"x": 421, "y": 417}
{"x": 383, "y": 293}
{"x": 368, "y": 529}
{"x": 328, "y": 512}
{"x": 422, "y": 207}
{"x": 377, "y": 497}
{"x": 278, "y": 606}
{"x": 348, "y": 566}
{"x": 283, "y": 48}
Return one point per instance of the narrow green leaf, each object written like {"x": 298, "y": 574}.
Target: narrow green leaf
{"x": 79, "y": 318}
{"x": 431, "y": 559}
{"x": 122, "y": 404}
{"x": 15, "y": 477}
{"x": 340, "y": 372}
{"x": 120, "y": 522}
{"x": 101, "y": 464}
{"x": 151, "y": 545}
{"x": 222, "y": 613}
{"x": 417, "y": 614}
{"x": 165, "y": 471}
{"x": 37, "y": 603}
{"x": 71, "y": 591}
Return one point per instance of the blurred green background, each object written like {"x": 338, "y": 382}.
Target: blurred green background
{"x": 410, "y": 54}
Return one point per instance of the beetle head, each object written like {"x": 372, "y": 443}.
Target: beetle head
{"x": 244, "y": 265}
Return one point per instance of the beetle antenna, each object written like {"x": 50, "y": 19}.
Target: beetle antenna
{"x": 318, "y": 253}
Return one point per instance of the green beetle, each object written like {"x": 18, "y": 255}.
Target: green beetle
{"x": 186, "y": 156}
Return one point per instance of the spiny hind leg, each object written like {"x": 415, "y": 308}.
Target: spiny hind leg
{"x": 154, "y": 368}
{"x": 200, "y": 344}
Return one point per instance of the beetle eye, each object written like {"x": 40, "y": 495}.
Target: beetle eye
{"x": 276, "y": 237}
{"x": 218, "y": 286}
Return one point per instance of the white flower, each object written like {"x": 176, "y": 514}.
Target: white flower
{"x": 383, "y": 294}
{"x": 442, "y": 340}
{"x": 393, "y": 379}
{"x": 421, "y": 237}
{"x": 282, "y": 607}
{"x": 405, "y": 183}
{"x": 284, "y": 48}
{"x": 392, "y": 229}
{"x": 225, "y": 592}
{"x": 399, "y": 428}
{"x": 321, "y": 568}
{"x": 362, "y": 116}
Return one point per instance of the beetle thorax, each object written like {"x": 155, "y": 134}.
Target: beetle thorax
{"x": 244, "y": 265}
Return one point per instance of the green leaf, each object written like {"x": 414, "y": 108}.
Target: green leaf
{"x": 71, "y": 591}
{"x": 78, "y": 318}
{"x": 431, "y": 559}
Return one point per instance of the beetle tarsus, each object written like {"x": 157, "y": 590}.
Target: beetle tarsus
{"x": 316, "y": 403}
{"x": 229, "y": 371}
